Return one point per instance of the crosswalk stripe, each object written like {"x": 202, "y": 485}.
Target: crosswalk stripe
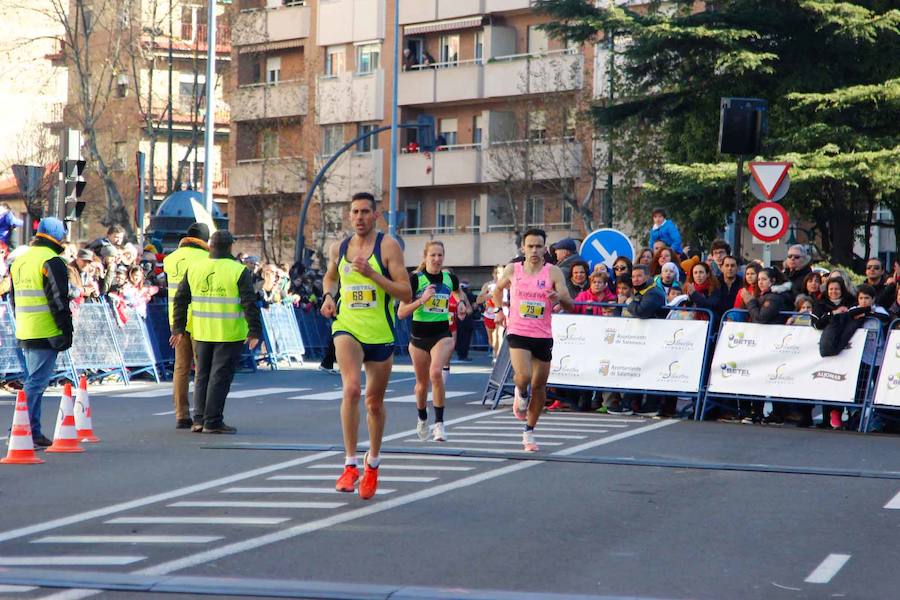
{"x": 484, "y": 431}
{"x": 16, "y": 589}
{"x": 385, "y": 478}
{"x": 240, "y": 504}
{"x": 585, "y": 421}
{"x": 263, "y": 392}
{"x": 456, "y": 440}
{"x": 198, "y": 520}
{"x": 290, "y": 490}
{"x": 518, "y": 428}
{"x": 393, "y": 467}
{"x": 394, "y": 456}
{"x": 127, "y": 539}
{"x": 68, "y": 561}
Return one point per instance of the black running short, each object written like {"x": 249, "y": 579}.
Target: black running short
{"x": 427, "y": 343}
{"x": 540, "y": 348}
{"x": 372, "y": 352}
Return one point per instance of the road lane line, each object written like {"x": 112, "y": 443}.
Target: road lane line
{"x": 894, "y": 503}
{"x": 828, "y": 568}
{"x": 197, "y": 520}
{"x": 191, "y": 489}
{"x": 127, "y": 539}
{"x": 393, "y": 467}
{"x": 456, "y": 440}
{"x": 381, "y": 478}
{"x": 270, "y": 391}
{"x": 580, "y": 421}
{"x": 395, "y": 456}
{"x": 478, "y": 427}
{"x": 485, "y": 431}
{"x": 615, "y": 438}
{"x": 16, "y": 589}
{"x": 241, "y": 504}
{"x": 290, "y": 490}
{"x": 68, "y": 561}
{"x": 162, "y": 414}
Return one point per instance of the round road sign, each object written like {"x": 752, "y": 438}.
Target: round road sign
{"x": 768, "y": 221}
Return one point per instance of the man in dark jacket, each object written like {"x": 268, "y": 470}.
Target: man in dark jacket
{"x": 649, "y": 300}
{"x": 566, "y": 252}
{"x": 220, "y": 293}
{"x": 796, "y": 268}
{"x": 40, "y": 295}
{"x": 730, "y": 283}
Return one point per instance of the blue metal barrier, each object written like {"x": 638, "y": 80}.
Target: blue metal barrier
{"x": 885, "y": 411}
{"x": 865, "y": 381}
{"x": 158, "y": 331}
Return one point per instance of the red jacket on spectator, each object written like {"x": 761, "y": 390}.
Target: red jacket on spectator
{"x": 588, "y": 296}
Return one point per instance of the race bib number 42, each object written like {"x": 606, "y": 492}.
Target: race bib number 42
{"x": 358, "y": 296}
{"x": 438, "y": 304}
{"x": 529, "y": 309}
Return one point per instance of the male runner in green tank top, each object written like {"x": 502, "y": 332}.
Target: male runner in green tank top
{"x": 366, "y": 273}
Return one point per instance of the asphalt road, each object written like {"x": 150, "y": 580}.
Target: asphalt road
{"x": 610, "y": 507}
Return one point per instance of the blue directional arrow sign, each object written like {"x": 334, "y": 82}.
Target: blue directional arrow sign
{"x": 605, "y": 246}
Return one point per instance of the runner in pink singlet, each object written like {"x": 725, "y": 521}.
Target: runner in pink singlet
{"x": 535, "y": 287}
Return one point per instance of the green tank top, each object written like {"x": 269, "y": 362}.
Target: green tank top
{"x": 364, "y": 310}
{"x": 437, "y": 309}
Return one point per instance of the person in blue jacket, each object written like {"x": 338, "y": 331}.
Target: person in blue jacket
{"x": 664, "y": 230}
{"x": 8, "y": 222}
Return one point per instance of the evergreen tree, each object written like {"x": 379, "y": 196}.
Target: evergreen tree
{"x": 829, "y": 69}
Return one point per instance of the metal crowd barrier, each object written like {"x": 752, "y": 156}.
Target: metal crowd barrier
{"x": 12, "y": 362}
{"x": 158, "y": 333}
{"x": 865, "y": 376}
{"x": 885, "y": 378}
{"x": 280, "y": 322}
{"x": 96, "y": 351}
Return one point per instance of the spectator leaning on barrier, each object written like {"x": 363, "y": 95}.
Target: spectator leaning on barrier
{"x": 812, "y": 286}
{"x": 621, "y": 269}
{"x": 192, "y": 249}
{"x": 44, "y": 326}
{"x": 578, "y": 280}
{"x": 750, "y": 289}
{"x": 664, "y": 230}
{"x": 648, "y": 300}
{"x": 766, "y": 309}
{"x": 704, "y": 290}
{"x": 219, "y": 290}
{"x": 598, "y": 292}
{"x": 837, "y": 299}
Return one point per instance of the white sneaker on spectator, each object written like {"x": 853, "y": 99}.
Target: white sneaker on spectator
{"x": 528, "y": 442}
{"x": 437, "y": 432}
{"x": 520, "y": 404}
{"x": 422, "y": 430}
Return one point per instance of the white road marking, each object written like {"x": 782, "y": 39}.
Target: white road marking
{"x": 127, "y": 539}
{"x": 335, "y": 395}
{"x": 15, "y": 589}
{"x": 456, "y": 440}
{"x": 68, "y": 561}
{"x": 613, "y": 438}
{"x": 540, "y": 428}
{"x": 350, "y": 515}
{"x": 894, "y": 503}
{"x": 394, "y": 456}
{"x": 393, "y": 467}
{"x": 411, "y": 398}
{"x": 191, "y": 489}
{"x": 290, "y": 490}
{"x": 580, "y": 421}
{"x": 487, "y": 431}
{"x": 392, "y": 381}
{"x": 198, "y": 520}
{"x": 161, "y": 392}
{"x": 381, "y": 478}
{"x": 239, "y": 504}
{"x": 338, "y": 394}
{"x": 263, "y": 392}
{"x": 162, "y": 414}
{"x": 828, "y": 568}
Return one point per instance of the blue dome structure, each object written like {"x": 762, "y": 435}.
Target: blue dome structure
{"x": 176, "y": 214}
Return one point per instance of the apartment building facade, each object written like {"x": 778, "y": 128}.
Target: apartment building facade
{"x": 315, "y": 74}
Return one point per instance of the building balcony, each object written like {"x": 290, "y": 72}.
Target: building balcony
{"x": 355, "y": 172}
{"x": 515, "y": 75}
{"x": 472, "y": 246}
{"x": 496, "y": 6}
{"x": 422, "y": 11}
{"x": 268, "y": 101}
{"x": 453, "y": 165}
{"x": 266, "y": 177}
{"x": 348, "y": 21}
{"x": 269, "y": 25}
{"x": 350, "y": 97}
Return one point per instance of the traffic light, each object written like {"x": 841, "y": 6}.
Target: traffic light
{"x": 74, "y": 183}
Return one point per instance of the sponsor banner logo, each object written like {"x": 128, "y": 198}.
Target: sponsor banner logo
{"x": 739, "y": 339}
{"x": 672, "y": 373}
{"x": 785, "y": 346}
{"x": 893, "y": 381}
{"x": 831, "y": 375}
{"x": 570, "y": 335}
{"x": 679, "y": 341}
{"x": 613, "y": 336}
{"x": 731, "y": 369}
{"x": 565, "y": 368}
{"x": 608, "y": 369}
{"x": 779, "y": 375}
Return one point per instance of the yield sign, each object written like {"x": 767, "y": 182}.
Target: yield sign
{"x": 769, "y": 176}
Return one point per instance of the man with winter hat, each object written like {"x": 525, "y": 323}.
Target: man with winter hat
{"x": 40, "y": 294}
{"x": 193, "y": 248}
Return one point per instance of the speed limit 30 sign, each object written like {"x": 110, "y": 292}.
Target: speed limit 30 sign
{"x": 768, "y": 221}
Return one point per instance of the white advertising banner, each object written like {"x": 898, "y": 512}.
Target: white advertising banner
{"x": 783, "y": 361}
{"x": 887, "y": 392}
{"x": 625, "y": 353}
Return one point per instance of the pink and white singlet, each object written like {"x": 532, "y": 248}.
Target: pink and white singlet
{"x": 530, "y": 310}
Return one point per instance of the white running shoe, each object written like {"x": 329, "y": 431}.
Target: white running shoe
{"x": 437, "y": 432}
{"x": 528, "y": 442}
{"x": 422, "y": 430}
{"x": 520, "y": 405}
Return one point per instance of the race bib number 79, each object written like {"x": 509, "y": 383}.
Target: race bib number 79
{"x": 529, "y": 309}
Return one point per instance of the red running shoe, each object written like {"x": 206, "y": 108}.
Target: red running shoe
{"x": 369, "y": 483}
{"x": 347, "y": 481}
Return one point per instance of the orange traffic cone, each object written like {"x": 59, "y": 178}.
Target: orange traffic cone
{"x": 83, "y": 423}
{"x": 21, "y": 446}
{"x": 64, "y": 438}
